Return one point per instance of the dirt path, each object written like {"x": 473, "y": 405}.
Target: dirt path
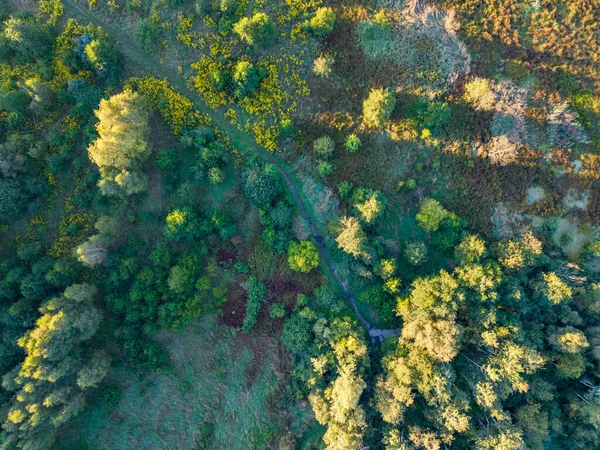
{"x": 240, "y": 139}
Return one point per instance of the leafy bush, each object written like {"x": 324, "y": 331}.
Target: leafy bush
{"x": 261, "y": 184}
{"x": 146, "y": 32}
{"x": 563, "y": 128}
{"x": 324, "y": 168}
{"x": 256, "y": 295}
{"x": 352, "y": 143}
{"x": 277, "y": 311}
{"x": 431, "y": 214}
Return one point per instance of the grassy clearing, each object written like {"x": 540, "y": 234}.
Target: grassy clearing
{"x": 224, "y": 393}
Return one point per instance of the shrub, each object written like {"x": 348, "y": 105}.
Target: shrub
{"x": 324, "y": 168}
{"x": 563, "y": 128}
{"x": 261, "y": 184}
{"x": 146, "y": 32}
{"x": 256, "y": 295}
{"x": 377, "y": 41}
{"x": 323, "y": 21}
{"x": 352, "y": 143}
{"x": 378, "y": 107}
{"x": 297, "y": 334}
{"x": 322, "y": 66}
{"x": 344, "y": 188}
{"x": 277, "y": 311}
{"x": 501, "y": 151}
{"x": 181, "y": 224}
{"x": 478, "y": 94}
{"x": 324, "y": 147}
{"x": 215, "y": 175}
{"x": 281, "y": 215}
{"x": 303, "y": 256}
{"x": 246, "y": 78}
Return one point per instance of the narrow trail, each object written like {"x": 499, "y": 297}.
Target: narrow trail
{"x": 239, "y": 138}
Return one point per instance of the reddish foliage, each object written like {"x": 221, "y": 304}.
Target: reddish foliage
{"x": 234, "y": 308}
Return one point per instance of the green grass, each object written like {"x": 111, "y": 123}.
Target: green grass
{"x": 224, "y": 382}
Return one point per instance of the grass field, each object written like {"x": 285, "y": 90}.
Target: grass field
{"x": 226, "y": 391}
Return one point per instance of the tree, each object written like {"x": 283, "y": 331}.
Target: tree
{"x": 416, "y": 252}
{"x": 182, "y": 224}
{"x": 246, "y": 78}
{"x": 95, "y": 250}
{"x": 13, "y": 198}
{"x": 303, "y": 256}
{"x": 352, "y": 239}
{"x": 470, "y": 250}
{"x": 378, "y": 107}
{"x": 257, "y": 30}
{"x": 49, "y": 384}
{"x": 431, "y": 214}
{"x": 28, "y": 39}
{"x": 352, "y": 143}
{"x": 261, "y": 184}
{"x": 122, "y": 145}
{"x": 323, "y": 21}
{"x": 372, "y": 207}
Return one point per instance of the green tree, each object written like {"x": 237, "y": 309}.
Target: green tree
{"x": 13, "y": 198}
{"x": 352, "y": 239}
{"x": 122, "y": 144}
{"x": 49, "y": 384}
{"x": 303, "y": 256}
{"x": 257, "y": 30}
{"x": 378, "y": 107}
{"x": 416, "y": 252}
{"x": 431, "y": 214}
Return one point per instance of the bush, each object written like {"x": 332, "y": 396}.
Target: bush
{"x": 352, "y": 143}
{"x": 322, "y": 66}
{"x": 297, "y": 334}
{"x": 344, "y": 188}
{"x": 378, "y": 107}
{"x": 146, "y": 32}
{"x": 563, "y": 128}
{"x": 324, "y": 147}
{"x": 324, "y": 168}
{"x": 277, "y": 311}
{"x": 261, "y": 185}
{"x": 281, "y": 215}
{"x": 256, "y": 295}
{"x": 323, "y": 21}
{"x": 303, "y": 256}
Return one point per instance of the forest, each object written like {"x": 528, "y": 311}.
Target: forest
{"x": 300, "y": 224}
